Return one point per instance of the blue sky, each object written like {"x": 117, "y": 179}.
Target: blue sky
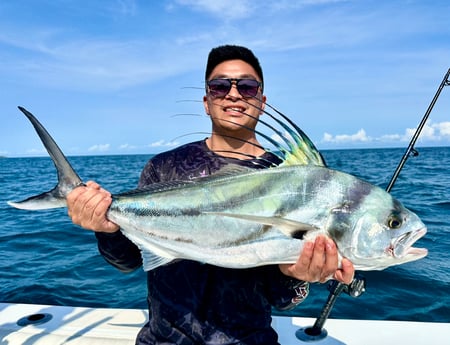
{"x": 113, "y": 76}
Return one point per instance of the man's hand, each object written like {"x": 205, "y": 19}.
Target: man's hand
{"x": 318, "y": 262}
{"x": 87, "y": 207}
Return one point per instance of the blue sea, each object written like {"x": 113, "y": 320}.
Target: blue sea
{"x": 45, "y": 259}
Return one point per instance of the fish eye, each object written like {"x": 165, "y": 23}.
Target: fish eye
{"x": 394, "y": 222}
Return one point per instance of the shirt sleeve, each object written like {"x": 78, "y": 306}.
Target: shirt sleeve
{"x": 285, "y": 293}
{"x": 119, "y": 251}
{"x": 116, "y": 248}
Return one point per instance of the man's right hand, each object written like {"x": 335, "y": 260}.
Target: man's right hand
{"x": 87, "y": 207}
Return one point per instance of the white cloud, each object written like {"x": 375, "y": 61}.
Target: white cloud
{"x": 238, "y": 9}
{"x": 359, "y": 136}
{"x": 127, "y": 147}
{"x": 292, "y": 5}
{"x": 230, "y": 10}
{"x": 426, "y": 133}
{"x": 279, "y": 139}
{"x": 391, "y": 137}
{"x": 163, "y": 143}
{"x": 95, "y": 63}
{"x": 99, "y": 148}
{"x": 432, "y": 132}
{"x": 443, "y": 128}
{"x": 36, "y": 152}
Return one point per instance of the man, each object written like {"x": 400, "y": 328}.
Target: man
{"x": 195, "y": 303}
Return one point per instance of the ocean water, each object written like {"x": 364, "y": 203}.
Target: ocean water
{"x": 45, "y": 259}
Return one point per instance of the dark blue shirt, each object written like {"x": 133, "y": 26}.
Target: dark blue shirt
{"x": 195, "y": 303}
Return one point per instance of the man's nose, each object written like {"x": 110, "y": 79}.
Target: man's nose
{"x": 234, "y": 93}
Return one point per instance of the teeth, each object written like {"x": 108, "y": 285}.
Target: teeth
{"x": 235, "y": 109}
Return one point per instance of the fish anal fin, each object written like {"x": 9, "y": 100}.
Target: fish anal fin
{"x": 150, "y": 258}
{"x": 291, "y": 228}
{"x": 151, "y": 261}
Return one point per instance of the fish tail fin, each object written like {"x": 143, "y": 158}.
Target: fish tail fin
{"x": 68, "y": 179}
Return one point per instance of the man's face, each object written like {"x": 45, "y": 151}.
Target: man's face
{"x": 230, "y": 112}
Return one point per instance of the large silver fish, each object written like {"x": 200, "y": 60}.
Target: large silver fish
{"x": 252, "y": 217}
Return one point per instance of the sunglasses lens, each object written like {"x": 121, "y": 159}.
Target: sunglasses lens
{"x": 219, "y": 87}
{"x": 248, "y": 87}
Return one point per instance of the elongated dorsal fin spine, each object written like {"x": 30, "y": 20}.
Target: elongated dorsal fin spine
{"x": 292, "y": 145}
{"x": 300, "y": 149}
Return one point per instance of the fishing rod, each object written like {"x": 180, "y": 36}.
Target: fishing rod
{"x": 358, "y": 285}
{"x": 411, "y": 150}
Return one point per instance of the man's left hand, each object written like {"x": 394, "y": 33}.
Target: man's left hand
{"x": 318, "y": 262}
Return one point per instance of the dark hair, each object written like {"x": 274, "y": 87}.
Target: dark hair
{"x": 231, "y": 52}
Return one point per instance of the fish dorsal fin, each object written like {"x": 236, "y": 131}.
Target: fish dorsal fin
{"x": 155, "y": 188}
{"x": 228, "y": 170}
{"x": 297, "y": 149}
{"x": 293, "y": 147}
{"x": 288, "y": 227}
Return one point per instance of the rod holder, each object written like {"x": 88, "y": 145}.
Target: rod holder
{"x": 316, "y": 332}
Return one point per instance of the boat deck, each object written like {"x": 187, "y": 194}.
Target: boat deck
{"x": 27, "y": 324}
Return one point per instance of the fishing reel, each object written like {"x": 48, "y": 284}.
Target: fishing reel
{"x": 355, "y": 289}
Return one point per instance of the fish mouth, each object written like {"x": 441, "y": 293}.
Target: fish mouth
{"x": 402, "y": 246}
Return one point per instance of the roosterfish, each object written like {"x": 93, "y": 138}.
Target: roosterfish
{"x": 242, "y": 217}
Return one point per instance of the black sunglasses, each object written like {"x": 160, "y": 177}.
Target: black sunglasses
{"x": 221, "y": 87}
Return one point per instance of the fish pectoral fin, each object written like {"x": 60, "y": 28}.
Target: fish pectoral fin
{"x": 288, "y": 227}
{"x": 151, "y": 260}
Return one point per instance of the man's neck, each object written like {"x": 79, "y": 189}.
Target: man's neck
{"x": 234, "y": 147}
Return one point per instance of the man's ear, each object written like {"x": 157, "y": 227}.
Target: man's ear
{"x": 263, "y": 104}
{"x": 206, "y": 105}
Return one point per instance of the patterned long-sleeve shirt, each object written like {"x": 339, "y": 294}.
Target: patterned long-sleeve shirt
{"x": 195, "y": 303}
